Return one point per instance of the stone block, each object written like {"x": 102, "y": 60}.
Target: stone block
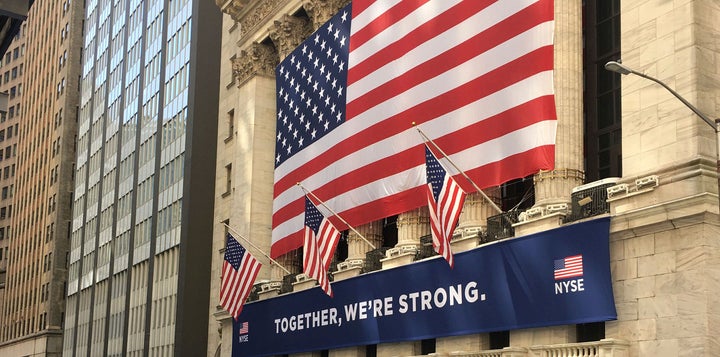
{"x": 658, "y": 306}
{"x": 682, "y": 326}
{"x": 639, "y": 246}
{"x": 660, "y": 263}
{"x": 627, "y": 310}
{"x": 659, "y": 348}
{"x": 692, "y": 258}
{"x": 632, "y": 289}
{"x": 624, "y": 269}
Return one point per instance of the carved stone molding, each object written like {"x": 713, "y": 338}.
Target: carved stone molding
{"x": 259, "y": 59}
{"x": 234, "y": 8}
{"x": 320, "y": 11}
{"x": 288, "y": 32}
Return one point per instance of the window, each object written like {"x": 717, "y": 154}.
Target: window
{"x": 231, "y": 124}
{"x": 228, "y": 179}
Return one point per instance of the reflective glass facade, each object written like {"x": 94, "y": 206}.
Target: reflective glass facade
{"x": 131, "y": 218}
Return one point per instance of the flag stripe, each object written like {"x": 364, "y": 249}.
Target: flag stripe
{"x": 320, "y": 242}
{"x": 478, "y": 70}
{"x": 437, "y": 39}
{"x": 509, "y": 123}
{"x": 477, "y": 51}
{"x": 445, "y": 199}
{"x": 240, "y": 269}
{"x": 378, "y": 134}
{"x": 569, "y": 267}
{"x": 381, "y": 18}
{"x": 354, "y": 205}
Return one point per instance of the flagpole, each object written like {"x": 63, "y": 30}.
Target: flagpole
{"x": 427, "y": 139}
{"x": 336, "y": 215}
{"x": 236, "y": 233}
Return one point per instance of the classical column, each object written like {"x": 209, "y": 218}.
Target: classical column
{"x": 357, "y": 247}
{"x": 412, "y": 225}
{"x": 286, "y": 34}
{"x": 321, "y": 11}
{"x": 553, "y": 188}
{"x": 474, "y": 216}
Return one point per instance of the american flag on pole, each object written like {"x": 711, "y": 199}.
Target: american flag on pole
{"x": 240, "y": 269}
{"x": 477, "y": 75}
{"x": 445, "y": 199}
{"x": 321, "y": 239}
{"x": 568, "y": 267}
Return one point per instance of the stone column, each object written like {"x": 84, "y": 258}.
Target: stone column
{"x": 474, "y": 216}
{"x": 411, "y": 226}
{"x": 357, "y": 247}
{"x": 254, "y": 71}
{"x": 553, "y": 188}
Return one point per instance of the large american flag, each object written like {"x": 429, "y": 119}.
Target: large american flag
{"x": 240, "y": 269}
{"x": 445, "y": 199}
{"x": 477, "y": 76}
{"x": 321, "y": 239}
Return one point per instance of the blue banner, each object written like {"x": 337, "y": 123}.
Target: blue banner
{"x": 555, "y": 277}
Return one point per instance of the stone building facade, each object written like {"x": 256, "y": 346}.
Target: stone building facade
{"x": 38, "y": 161}
{"x": 665, "y": 235}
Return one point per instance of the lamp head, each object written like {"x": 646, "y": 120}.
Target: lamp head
{"x": 617, "y": 67}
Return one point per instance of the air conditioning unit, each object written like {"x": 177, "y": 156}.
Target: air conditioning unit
{"x": 590, "y": 199}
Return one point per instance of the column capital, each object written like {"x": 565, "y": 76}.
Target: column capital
{"x": 258, "y": 59}
{"x": 320, "y": 11}
{"x": 288, "y": 32}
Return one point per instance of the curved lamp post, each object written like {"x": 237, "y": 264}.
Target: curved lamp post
{"x": 618, "y": 67}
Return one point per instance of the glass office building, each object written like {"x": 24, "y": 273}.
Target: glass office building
{"x": 146, "y": 134}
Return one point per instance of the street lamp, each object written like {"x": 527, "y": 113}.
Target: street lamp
{"x": 618, "y": 67}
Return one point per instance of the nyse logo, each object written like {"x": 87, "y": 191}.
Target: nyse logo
{"x": 564, "y": 270}
{"x": 243, "y": 332}
{"x": 569, "y": 286}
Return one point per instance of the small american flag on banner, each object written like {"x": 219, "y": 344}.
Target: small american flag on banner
{"x": 445, "y": 199}
{"x": 568, "y": 267}
{"x": 240, "y": 269}
{"x": 321, "y": 239}
{"x": 244, "y": 328}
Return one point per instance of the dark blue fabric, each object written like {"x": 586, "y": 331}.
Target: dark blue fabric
{"x": 515, "y": 276}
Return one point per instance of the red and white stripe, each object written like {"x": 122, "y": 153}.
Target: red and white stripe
{"x": 475, "y": 75}
{"x": 237, "y": 284}
{"x": 313, "y": 263}
{"x": 444, "y": 215}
